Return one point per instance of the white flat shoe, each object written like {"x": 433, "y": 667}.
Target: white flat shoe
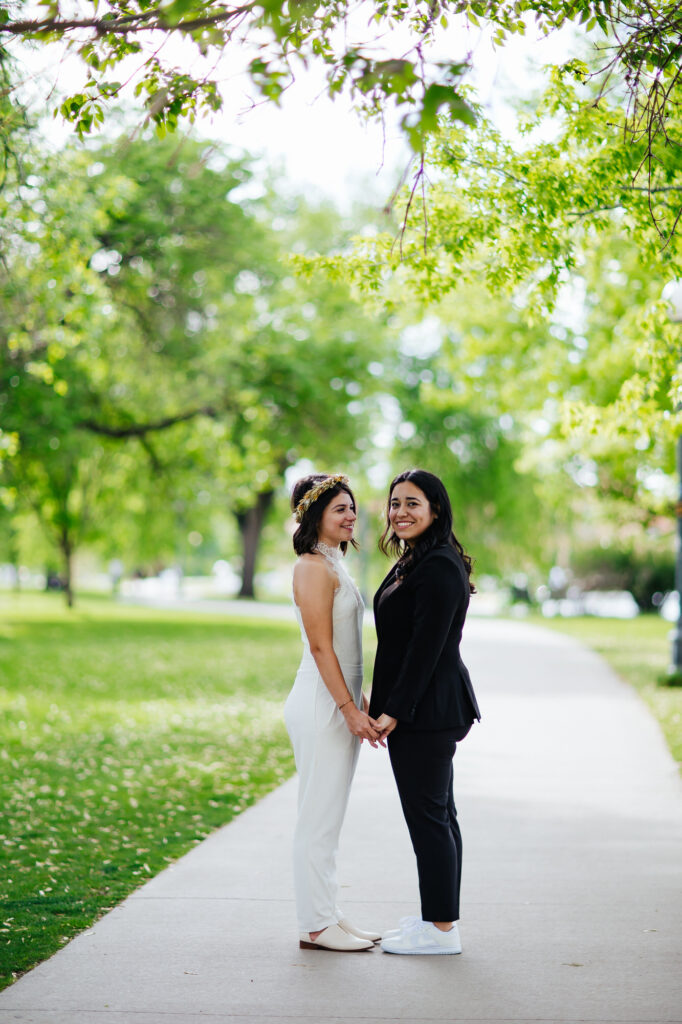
{"x": 357, "y": 932}
{"x": 335, "y": 938}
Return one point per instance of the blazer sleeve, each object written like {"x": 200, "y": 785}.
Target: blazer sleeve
{"x": 437, "y": 594}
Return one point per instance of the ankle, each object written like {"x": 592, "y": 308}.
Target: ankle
{"x": 443, "y": 926}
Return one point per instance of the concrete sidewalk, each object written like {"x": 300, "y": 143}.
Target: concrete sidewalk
{"x": 571, "y": 811}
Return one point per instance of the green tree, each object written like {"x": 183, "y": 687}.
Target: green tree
{"x": 50, "y": 301}
{"x": 313, "y": 395}
{"x": 303, "y": 356}
{"x": 169, "y": 352}
{"x": 14, "y": 123}
{"x": 477, "y": 450}
{"x": 220, "y": 309}
{"x": 564, "y": 382}
{"x": 560, "y": 232}
{"x": 100, "y": 345}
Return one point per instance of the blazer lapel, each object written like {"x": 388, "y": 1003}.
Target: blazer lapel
{"x": 387, "y": 580}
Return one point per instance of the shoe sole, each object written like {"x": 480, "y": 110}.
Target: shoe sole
{"x": 330, "y": 949}
{"x": 422, "y": 952}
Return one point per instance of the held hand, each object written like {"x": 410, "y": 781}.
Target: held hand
{"x": 360, "y": 724}
{"x": 385, "y": 724}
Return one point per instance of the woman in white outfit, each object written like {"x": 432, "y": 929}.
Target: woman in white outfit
{"x": 326, "y": 711}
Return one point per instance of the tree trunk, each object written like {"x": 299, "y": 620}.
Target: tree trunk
{"x": 251, "y": 524}
{"x": 14, "y": 557}
{"x": 66, "y": 549}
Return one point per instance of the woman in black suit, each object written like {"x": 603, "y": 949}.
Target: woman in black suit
{"x": 422, "y": 697}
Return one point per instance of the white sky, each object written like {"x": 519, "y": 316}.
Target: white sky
{"x": 326, "y": 143}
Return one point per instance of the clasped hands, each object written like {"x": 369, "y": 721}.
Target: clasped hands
{"x": 384, "y": 725}
{"x": 364, "y": 727}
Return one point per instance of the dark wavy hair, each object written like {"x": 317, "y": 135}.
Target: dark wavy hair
{"x": 305, "y": 537}
{"x": 439, "y": 532}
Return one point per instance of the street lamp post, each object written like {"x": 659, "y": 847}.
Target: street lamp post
{"x": 676, "y": 662}
{"x": 673, "y": 294}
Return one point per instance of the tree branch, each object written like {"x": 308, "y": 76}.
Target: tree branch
{"x": 145, "y": 21}
{"x": 498, "y": 170}
{"x": 645, "y": 188}
{"x": 627, "y": 188}
{"x": 156, "y": 463}
{"x": 579, "y": 214}
{"x": 142, "y": 429}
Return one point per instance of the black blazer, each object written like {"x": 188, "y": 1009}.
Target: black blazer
{"x": 419, "y": 676}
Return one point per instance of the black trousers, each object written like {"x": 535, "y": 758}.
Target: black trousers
{"x": 422, "y": 767}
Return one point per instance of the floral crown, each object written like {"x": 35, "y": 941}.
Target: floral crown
{"x": 314, "y": 493}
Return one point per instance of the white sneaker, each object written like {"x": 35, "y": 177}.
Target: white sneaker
{"x": 425, "y": 938}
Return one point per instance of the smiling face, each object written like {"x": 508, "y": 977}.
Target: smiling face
{"x": 338, "y": 520}
{"x": 409, "y": 512}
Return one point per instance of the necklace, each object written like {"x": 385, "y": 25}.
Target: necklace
{"x": 327, "y": 550}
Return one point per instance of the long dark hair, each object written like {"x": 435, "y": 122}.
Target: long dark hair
{"x": 305, "y": 537}
{"x": 439, "y": 532}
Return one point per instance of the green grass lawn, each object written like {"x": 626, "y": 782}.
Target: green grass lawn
{"x": 126, "y": 736}
{"x": 639, "y": 651}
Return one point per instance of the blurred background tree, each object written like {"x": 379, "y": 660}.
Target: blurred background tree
{"x": 546, "y": 263}
{"x": 160, "y": 360}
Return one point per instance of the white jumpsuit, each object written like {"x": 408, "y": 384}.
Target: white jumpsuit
{"x": 326, "y": 754}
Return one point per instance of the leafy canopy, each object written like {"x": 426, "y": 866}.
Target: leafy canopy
{"x": 346, "y": 40}
{"x": 545, "y": 264}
